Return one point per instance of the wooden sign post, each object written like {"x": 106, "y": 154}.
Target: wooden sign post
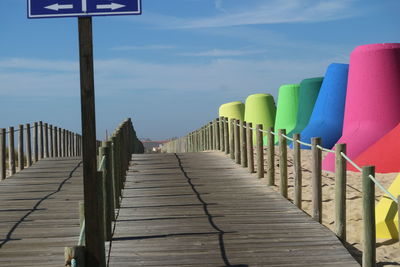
{"x": 95, "y": 255}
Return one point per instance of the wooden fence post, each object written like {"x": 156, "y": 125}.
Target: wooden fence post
{"x": 217, "y": 134}
{"x": 55, "y": 142}
{"x": 298, "y": 183}
{"x": 204, "y": 138}
{"x": 283, "y": 163}
{"x": 213, "y": 139}
{"x": 271, "y": 157}
{"x": 46, "y": 140}
{"x": 211, "y": 135}
{"x": 232, "y": 137}
{"x": 11, "y": 150}
{"x": 197, "y": 138}
{"x": 369, "y": 239}
{"x": 28, "y": 145}
{"x": 226, "y": 135}
{"x": 114, "y": 157}
{"x": 243, "y": 144}
{"x": 72, "y": 144}
{"x": 67, "y": 143}
{"x": 35, "y": 142}
{"x": 41, "y": 147}
{"x": 193, "y": 140}
{"x": 21, "y": 161}
{"x": 207, "y": 136}
{"x": 316, "y": 180}
{"x": 60, "y": 142}
{"x": 250, "y": 150}
{"x": 108, "y": 190}
{"x": 260, "y": 151}
{"x": 340, "y": 192}
{"x": 3, "y": 173}
{"x": 51, "y": 144}
{"x": 74, "y": 147}
{"x": 64, "y": 143}
{"x": 221, "y": 134}
{"x": 67, "y": 148}
{"x": 237, "y": 142}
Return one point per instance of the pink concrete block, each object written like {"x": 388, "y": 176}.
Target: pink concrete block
{"x": 373, "y": 98}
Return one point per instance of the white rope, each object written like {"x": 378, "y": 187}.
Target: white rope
{"x": 370, "y": 176}
{"x": 287, "y": 137}
{"x": 303, "y": 143}
{"x": 351, "y": 162}
{"x": 382, "y": 188}
{"x": 82, "y": 235}
{"x": 102, "y": 163}
{"x": 325, "y": 149}
{"x": 263, "y": 131}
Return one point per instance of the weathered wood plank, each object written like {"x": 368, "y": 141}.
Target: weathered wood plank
{"x": 39, "y": 213}
{"x": 200, "y": 209}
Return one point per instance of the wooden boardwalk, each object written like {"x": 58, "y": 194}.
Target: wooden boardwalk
{"x": 39, "y": 213}
{"x": 203, "y": 210}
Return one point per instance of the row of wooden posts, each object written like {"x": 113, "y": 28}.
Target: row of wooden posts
{"x": 35, "y": 142}
{"x": 113, "y": 162}
{"x": 235, "y": 138}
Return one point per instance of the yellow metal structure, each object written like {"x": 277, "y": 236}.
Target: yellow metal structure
{"x": 386, "y": 214}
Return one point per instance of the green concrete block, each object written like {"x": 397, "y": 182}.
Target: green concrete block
{"x": 232, "y": 110}
{"x": 260, "y": 109}
{"x": 308, "y": 94}
{"x": 288, "y": 103}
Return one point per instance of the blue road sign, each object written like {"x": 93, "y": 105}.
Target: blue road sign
{"x": 77, "y": 8}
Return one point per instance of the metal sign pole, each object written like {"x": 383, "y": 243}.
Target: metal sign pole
{"x": 95, "y": 248}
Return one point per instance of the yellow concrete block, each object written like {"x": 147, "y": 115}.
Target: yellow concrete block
{"x": 386, "y": 214}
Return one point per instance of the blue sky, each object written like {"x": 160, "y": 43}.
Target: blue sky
{"x": 170, "y": 68}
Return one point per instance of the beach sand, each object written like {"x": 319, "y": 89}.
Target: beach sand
{"x": 387, "y": 252}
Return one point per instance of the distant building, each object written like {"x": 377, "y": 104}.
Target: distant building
{"x": 152, "y": 146}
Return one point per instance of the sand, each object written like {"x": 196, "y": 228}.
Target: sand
{"x": 387, "y": 250}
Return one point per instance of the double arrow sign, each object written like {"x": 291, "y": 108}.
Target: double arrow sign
{"x": 74, "y": 8}
{"x": 57, "y": 6}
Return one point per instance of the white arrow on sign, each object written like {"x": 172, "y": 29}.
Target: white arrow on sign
{"x": 57, "y": 7}
{"x": 112, "y": 6}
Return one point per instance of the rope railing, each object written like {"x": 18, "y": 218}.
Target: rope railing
{"x": 235, "y": 123}
{"x": 25, "y": 128}
{"x": 376, "y": 182}
{"x": 325, "y": 149}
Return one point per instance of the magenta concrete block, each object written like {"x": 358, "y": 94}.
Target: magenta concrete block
{"x": 373, "y": 98}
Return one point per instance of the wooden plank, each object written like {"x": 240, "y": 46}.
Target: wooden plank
{"x": 200, "y": 209}
{"x": 39, "y": 213}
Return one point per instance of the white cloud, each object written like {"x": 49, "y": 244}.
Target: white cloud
{"x": 145, "y": 47}
{"x": 233, "y": 76}
{"x": 38, "y": 64}
{"x": 222, "y": 53}
{"x": 265, "y": 12}
{"x": 218, "y": 5}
